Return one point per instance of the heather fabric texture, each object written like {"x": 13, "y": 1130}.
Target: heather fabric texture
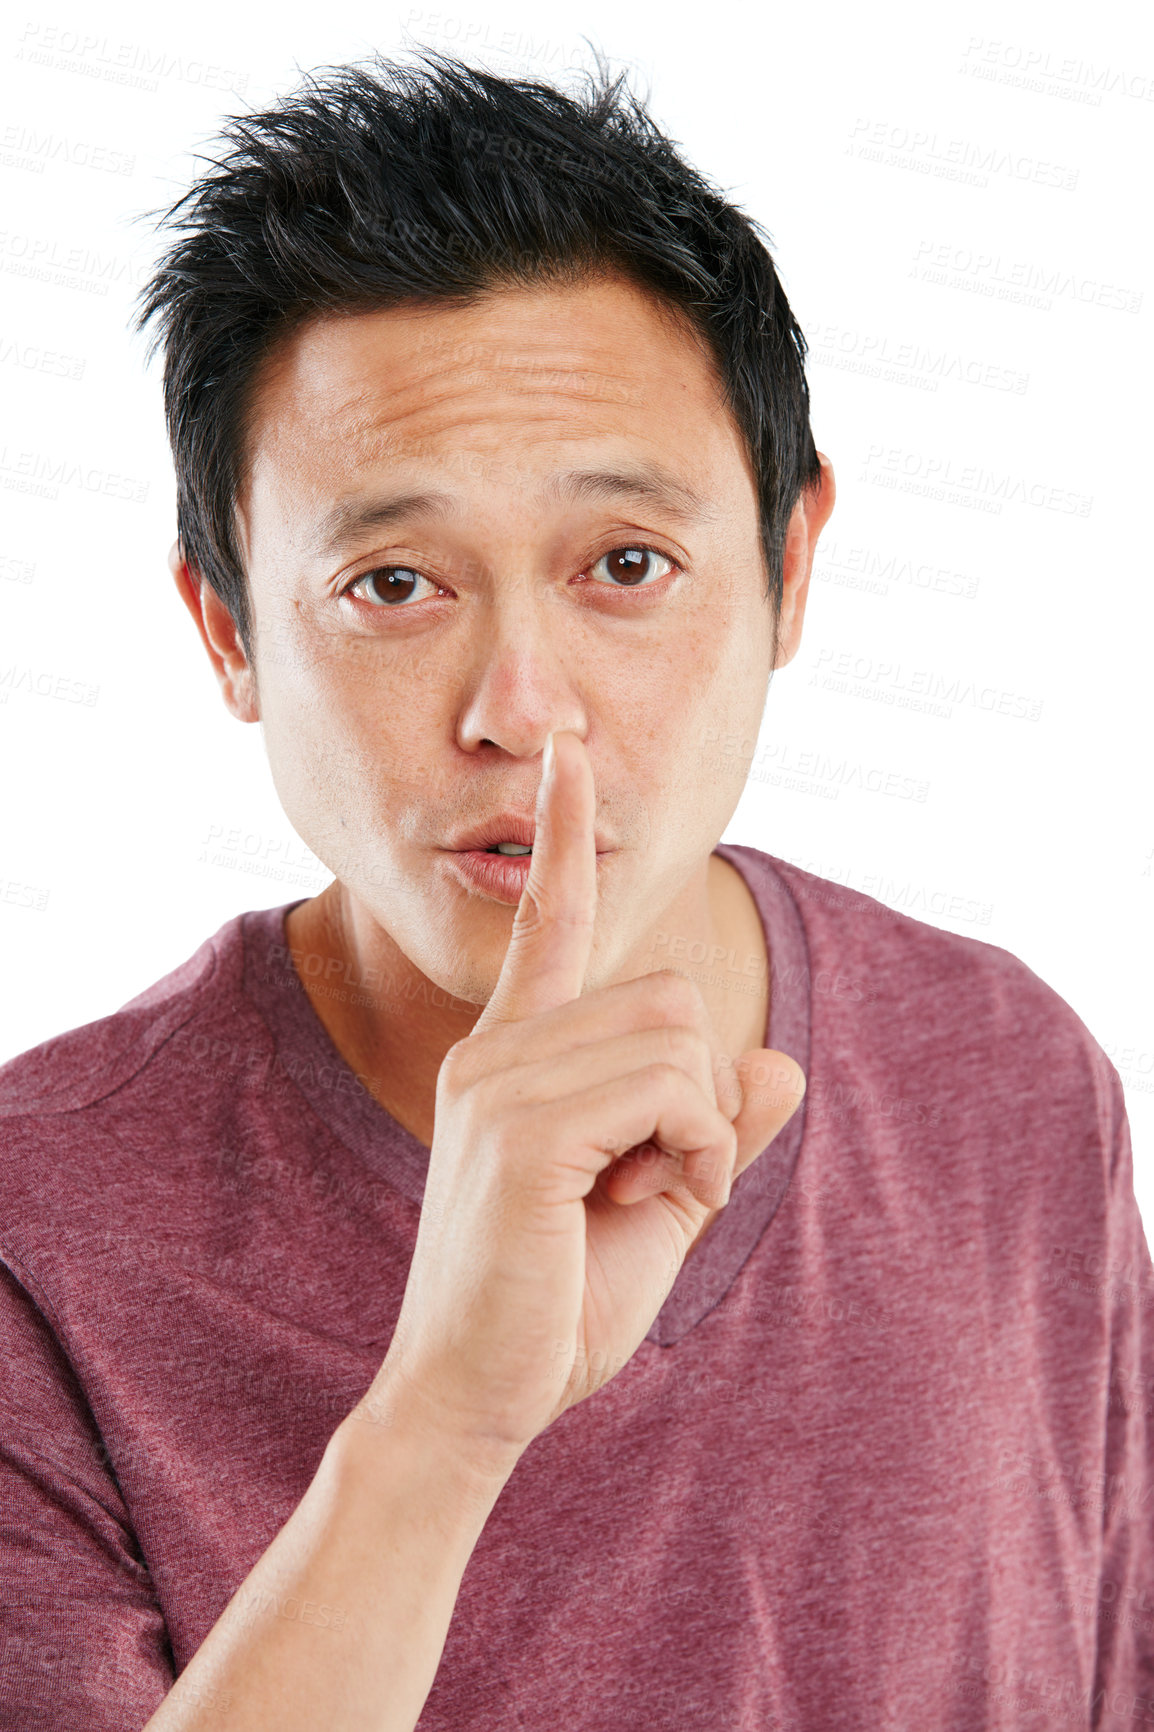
{"x": 883, "y": 1461}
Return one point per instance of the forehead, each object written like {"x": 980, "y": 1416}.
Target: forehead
{"x": 524, "y": 379}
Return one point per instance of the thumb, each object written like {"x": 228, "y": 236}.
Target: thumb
{"x": 772, "y": 1088}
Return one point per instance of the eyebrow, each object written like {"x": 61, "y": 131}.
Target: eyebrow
{"x": 649, "y": 483}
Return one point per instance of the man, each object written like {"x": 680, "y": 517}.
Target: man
{"x": 435, "y": 1304}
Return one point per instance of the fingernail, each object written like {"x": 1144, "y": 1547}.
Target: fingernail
{"x": 549, "y": 761}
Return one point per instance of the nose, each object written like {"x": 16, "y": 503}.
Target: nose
{"x": 522, "y": 679}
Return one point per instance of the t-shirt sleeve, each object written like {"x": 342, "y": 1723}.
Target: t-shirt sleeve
{"x": 1124, "y": 1681}
{"x": 83, "y": 1642}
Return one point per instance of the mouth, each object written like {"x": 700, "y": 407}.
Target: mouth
{"x": 497, "y": 872}
{"x": 514, "y": 851}
{"x": 510, "y": 835}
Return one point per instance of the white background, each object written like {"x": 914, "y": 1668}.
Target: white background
{"x": 959, "y": 205}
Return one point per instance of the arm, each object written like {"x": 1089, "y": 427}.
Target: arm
{"x": 343, "y": 1620}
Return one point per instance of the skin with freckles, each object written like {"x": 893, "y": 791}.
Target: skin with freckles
{"x": 530, "y": 447}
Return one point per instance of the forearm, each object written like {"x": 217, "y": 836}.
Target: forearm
{"x": 343, "y": 1620}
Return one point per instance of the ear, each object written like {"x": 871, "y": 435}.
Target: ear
{"x": 220, "y": 637}
{"x": 809, "y": 518}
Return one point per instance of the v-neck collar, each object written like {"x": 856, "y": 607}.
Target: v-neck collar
{"x": 357, "y": 1118}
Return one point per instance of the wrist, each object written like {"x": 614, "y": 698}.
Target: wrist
{"x": 393, "y": 1415}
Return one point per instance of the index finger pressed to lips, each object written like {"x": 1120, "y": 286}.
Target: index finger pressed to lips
{"x": 552, "y": 934}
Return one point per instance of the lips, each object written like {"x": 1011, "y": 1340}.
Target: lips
{"x": 508, "y": 827}
{"x": 501, "y": 827}
{"x": 498, "y": 877}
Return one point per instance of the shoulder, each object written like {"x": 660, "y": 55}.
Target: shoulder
{"x": 80, "y": 1067}
{"x": 112, "y": 1132}
{"x": 938, "y": 1001}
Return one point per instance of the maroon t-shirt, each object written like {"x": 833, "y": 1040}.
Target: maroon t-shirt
{"x": 882, "y": 1461}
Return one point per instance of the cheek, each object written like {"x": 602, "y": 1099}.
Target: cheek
{"x": 723, "y": 668}
{"x": 323, "y": 724}
{"x": 344, "y": 690}
{"x": 718, "y": 715}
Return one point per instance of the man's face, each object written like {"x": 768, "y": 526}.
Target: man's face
{"x": 400, "y": 708}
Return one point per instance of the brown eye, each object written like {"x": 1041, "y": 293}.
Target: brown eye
{"x": 387, "y": 585}
{"x": 631, "y": 567}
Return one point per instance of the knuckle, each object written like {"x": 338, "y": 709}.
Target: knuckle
{"x": 665, "y": 1073}
{"x": 467, "y": 1063}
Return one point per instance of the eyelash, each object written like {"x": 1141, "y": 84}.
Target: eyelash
{"x": 625, "y": 589}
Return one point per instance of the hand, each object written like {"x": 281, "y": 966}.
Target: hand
{"x": 579, "y": 1147}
